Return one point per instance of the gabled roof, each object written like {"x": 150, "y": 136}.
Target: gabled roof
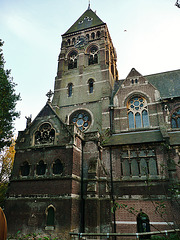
{"x": 133, "y": 73}
{"x": 87, "y": 20}
{"x": 167, "y": 83}
{"x": 47, "y": 110}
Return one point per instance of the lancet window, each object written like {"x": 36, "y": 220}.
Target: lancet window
{"x": 50, "y": 217}
{"x": 70, "y": 89}
{"x": 91, "y": 85}
{"x": 41, "y": 168}
{"x": 137, "y": 112}
{"x": 25, "y": 169}
{"x": 57, "y": 167}
{"x": 72, "y": 60}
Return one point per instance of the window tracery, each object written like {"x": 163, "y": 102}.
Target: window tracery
{"x": 72, "y": 60}
{"x": 45, "y": 134}
{"x": 139, "y": 163}
{"x": 93, "y": 55}
{"x": 175, "y": 119}
{"x": 81, "y": 119}
{"x": 137, "y": 112}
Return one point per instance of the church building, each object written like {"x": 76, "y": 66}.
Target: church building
{"x": 101, "y": 150}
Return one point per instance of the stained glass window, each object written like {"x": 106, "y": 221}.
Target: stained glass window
{"x": 137, "y": 112}
{"x": 81, "y": 119}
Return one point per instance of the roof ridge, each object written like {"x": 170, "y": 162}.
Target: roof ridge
{"x": 161, "y": 72}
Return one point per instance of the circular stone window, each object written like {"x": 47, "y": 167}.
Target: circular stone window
{"x": 81, "y": 118}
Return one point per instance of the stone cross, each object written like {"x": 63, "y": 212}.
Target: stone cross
{"x": 49, "y": 95}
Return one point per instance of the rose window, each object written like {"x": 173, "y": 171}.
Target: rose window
{"x": 81, "y": 119}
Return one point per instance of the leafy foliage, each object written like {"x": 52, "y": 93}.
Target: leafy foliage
{"x": 8, "y": 100}
{"x": 7, "y": 160}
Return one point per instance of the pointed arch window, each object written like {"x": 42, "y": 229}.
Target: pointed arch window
{"x": 25, "y": 169}
{"x": 93, "y": 35}
{"x": 70, "y": 89}
{"x": 91, "y": 85}
{"x": 41, "y": 168}
{"x": 50, "y": 216}
{"x": 87, "y": 36}
{"x": 137, "y": 112}
{"x": 57, "y": 167}
{"x": 93, "y": 55}
{"x": 72, "y": 60}
{"x": 73, "y": 41}
{"x": 98, "y": 34}
{"x": 175, "y": 119}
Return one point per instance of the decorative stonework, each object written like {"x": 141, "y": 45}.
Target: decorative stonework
{"x": 81, "y": 119}
{"x": 45, "y": 134}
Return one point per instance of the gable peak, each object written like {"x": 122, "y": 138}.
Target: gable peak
{"x": 133, "y": 73}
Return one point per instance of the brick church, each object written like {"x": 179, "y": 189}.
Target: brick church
{"x": 98, "y": 142}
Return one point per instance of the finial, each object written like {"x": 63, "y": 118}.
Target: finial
{"x": 89, "y": 5}
{"x": 49, "y": 95}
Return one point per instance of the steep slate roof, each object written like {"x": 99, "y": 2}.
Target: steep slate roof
{"x": 167, "y": 83}
{"x": 96, "y": 21}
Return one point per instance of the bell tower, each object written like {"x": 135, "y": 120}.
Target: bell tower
{"x": 86, "y": 74}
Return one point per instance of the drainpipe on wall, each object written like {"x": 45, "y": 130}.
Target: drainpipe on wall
{"x": 82, "y": 203}
{"x": 111, "y": 108}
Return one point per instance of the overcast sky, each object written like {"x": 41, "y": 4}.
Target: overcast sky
{"x": 145, "y": 33}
